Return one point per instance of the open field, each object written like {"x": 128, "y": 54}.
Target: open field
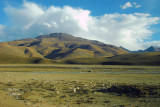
{"x": 75, "y": 68}
{"x": 79, "y": 85}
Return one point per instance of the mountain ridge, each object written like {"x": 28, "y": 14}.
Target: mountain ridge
{"x": 152, "y": 49}
{"x": 66, "y": 49}
{"x": 149, "y": 49}
{"x": 59, "y": 46}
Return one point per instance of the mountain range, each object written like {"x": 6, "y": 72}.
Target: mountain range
{"x": 149, "y": 49}
{"x": 65, "y": 48}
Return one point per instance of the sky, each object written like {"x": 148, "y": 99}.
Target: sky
{"x": 133, "y": 24}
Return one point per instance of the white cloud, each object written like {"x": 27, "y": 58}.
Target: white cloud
{"x": 137, "y": 6}
{"x": 1, "y": 28}
{"x": 127, "y": 30}
{"x": 1, "y": 32}
{"x": 134, "y": 3}
{"x": 129, "y": 5}
{"x": 126, "y": 5}
{"x": 153, "y": 43}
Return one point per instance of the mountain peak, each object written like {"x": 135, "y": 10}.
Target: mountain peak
{"x": 61, "y": 37}
{"x": 70, "y": 38}
{"x": 153, "y": 49}
{"x": 55, "y": 35}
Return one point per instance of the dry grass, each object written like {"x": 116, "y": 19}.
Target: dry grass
{"x": 74, "y": 68}
{"x": 76, "y": 89}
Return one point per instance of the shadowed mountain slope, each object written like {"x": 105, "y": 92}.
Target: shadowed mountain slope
{"x": 153, "y": 49}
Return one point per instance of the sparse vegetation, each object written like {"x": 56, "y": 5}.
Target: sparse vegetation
{"x": 73, "y": 88}
{"x": 78, "y": 92}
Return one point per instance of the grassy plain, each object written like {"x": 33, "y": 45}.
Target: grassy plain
{"x": 48, "y": 85}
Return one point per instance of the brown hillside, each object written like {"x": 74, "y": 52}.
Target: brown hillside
{"x": 59, "y": 46}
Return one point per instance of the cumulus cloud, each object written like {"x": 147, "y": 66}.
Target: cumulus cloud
{"x": 152, "y": 43}
{"x": 127, "y": 30}
{"x": 129, "y": 5}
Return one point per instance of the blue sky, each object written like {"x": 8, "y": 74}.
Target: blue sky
{"x": 133, "y": 24}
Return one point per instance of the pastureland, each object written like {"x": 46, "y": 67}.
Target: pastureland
{"x": 75, "y": 68}
{"x": 78, "y": 87}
